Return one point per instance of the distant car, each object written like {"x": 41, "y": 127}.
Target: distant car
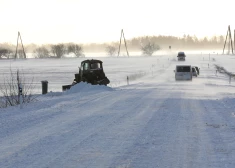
{"x": 194, "y": 71}
{"x": 183, "y": 72}
{"x": 181, "y": 56}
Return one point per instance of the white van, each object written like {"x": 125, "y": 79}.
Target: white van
{"x": 183, "y": 72}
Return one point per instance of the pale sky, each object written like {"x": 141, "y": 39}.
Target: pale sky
{"x": 92, "y": 21}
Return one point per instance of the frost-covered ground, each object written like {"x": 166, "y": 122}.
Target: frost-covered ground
{"x": 153, "y": 122}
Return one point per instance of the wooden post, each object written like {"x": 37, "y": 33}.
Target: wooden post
{"x": 122, "y": 34}
{"x": 17, "y": 45}
{"x": 225, "y": 41}
{"x": 22, "y": 45}
{"x": 127, "y": 79}
{"x": 19, "y": 36}
{"x": 231, "y": 40}
{"x": 120, "y": 42}
{"x": 125, "y": 43}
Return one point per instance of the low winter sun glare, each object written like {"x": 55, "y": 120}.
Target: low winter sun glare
{"x": 92, "y": 21}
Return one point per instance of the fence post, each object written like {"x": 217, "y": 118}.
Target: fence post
{"x": 127, "y": 79}
{"x": 230, "y": 78}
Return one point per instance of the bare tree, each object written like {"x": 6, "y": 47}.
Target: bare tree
{"x": 111, "y": 50}
{"x": 10, "y": 90}
{"x": 41, "y": 52}
{"x": 76, "y": 50}
{"x": 58, "y": 50}
{"x": 4, "y": 52}
{"x": 149, "y": 48}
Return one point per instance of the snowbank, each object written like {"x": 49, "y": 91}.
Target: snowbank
{"x": 87, "y": 87}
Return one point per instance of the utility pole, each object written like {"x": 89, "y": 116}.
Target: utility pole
{"x": 122, "y": 35}
{"x": 234, "y": 39}
{"x": 19, "y": 36}
{"x": 230, "y": 41}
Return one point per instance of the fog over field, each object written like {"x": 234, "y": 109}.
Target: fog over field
{"x": 60, "y": 72}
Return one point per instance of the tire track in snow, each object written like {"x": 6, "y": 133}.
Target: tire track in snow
{"x": 175, "y": 136}
{"x": 135, "y": 155}
{"x": 88, "y": 140}
{"x": 20, "y": 124}
{"x": 141, "y": 152}
{"x": 51, "y": 109}
{"x": 30, "y": 141}
{"x": 220, "y": 128}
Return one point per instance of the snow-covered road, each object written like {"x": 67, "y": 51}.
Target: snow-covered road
{"x": 149, "y": 124}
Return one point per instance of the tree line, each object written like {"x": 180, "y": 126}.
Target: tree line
{"x": 147, "y": 44}
{"x": 186, "y": 42}
{"x": 43, "y": 51}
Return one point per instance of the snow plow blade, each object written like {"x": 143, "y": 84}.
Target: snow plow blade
{"x": 104, "y": 81}
{"x": 66, "y": 87}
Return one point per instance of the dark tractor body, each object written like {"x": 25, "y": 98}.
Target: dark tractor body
{"x": 91, "y": 71}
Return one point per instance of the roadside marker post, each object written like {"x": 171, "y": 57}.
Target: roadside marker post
{"x": 127, "y": 78}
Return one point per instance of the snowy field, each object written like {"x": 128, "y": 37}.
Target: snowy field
{"x": 154, "y": 122}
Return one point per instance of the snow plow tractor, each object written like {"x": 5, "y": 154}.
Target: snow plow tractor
{"x": 91, "y": 71}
